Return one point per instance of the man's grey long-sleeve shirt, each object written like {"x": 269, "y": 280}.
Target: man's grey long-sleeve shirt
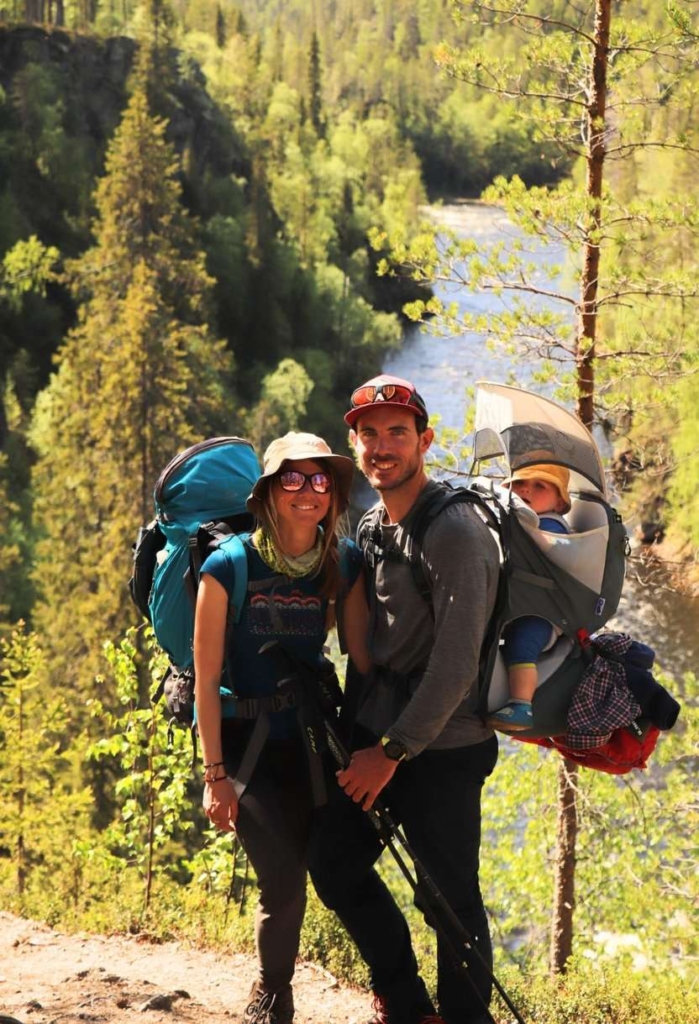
{"x": 461, "y": 563}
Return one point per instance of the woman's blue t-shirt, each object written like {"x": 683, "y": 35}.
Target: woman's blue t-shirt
{"x": 291, "y": 611}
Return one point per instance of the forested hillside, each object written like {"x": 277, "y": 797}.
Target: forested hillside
{"x": 210, "y": 222}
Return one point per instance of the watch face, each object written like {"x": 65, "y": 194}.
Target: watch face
{"x": 395, "y": 750}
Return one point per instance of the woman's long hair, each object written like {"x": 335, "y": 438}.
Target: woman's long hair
{"x": 329, "y": 568}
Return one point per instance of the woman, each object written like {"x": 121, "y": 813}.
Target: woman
{"x": 297, "y": 569}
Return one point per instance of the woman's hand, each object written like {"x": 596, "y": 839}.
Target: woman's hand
{"x": 221, "y": 803}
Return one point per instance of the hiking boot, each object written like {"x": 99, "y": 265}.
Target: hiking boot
{"x": 380, "y": 1008}
{"x": 513, "y": 717}
{"x": 269, "y": 1007}
{"x": 382, "y": 1015}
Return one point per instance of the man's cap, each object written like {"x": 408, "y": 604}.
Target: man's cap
{"x": 559, "y": 476}
{"x": 385, "y": 390}
{"x": 295, "y": 447}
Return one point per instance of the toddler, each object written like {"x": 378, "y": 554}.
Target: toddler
{"x": 543, "y": 488}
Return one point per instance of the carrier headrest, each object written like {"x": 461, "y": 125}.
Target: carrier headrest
{"x": 586, "y": 515}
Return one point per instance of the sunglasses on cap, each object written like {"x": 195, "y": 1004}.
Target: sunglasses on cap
{"x": 396, "y": 394}
{"x": 294, "y": 480}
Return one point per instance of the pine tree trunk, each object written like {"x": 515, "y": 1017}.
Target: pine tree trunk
{"x": 595, "y": 128}
{"x": 564, "y": 879}
{"x": 595, "y": 145}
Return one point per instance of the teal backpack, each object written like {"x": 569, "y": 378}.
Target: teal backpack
{"x": 200, "y": 505}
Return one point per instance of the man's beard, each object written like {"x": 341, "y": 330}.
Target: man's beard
{"x": 393, "y": 485}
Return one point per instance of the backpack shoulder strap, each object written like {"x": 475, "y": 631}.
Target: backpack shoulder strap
{"x": 441, "y": 500}
{"x": 369, "y": 537}
{"x": 369, "y": 531}
{"x": 233, "y": 548}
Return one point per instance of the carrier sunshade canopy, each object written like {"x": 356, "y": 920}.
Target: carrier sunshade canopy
{"x": 528, "y": 429}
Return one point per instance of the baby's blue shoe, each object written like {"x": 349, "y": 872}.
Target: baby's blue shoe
{"x": 515, "y": 716}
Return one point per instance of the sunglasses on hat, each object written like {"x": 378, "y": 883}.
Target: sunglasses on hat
{"x": 295, "y": 480}
{"x": 396, "y": 394}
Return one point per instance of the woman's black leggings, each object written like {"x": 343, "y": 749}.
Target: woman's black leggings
{"x": 273, "y": 825}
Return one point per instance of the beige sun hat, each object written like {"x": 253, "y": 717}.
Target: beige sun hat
{"x": 295, "y": 447}
{"x": 559, "y": 476}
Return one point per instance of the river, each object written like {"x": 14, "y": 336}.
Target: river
{"x": 443, "y": 368}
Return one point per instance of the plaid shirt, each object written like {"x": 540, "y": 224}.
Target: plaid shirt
{"x": 602, "y": 701}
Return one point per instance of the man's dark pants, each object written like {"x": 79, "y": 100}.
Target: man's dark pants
{"x": 436, "y": 797}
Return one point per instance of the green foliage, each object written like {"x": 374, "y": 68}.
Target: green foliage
{"x": 151, "y": 774}
{"x": 359, "y": 70}
{"x": 593, "y": 994}
{"x": 44, "y": 157}
{"x": 683, "y": 495}
{"x": 282, "y": 405}
{"x": 55, "y": 862}
{"x": 28, "y": 266}
{"x": 44, "y": 810}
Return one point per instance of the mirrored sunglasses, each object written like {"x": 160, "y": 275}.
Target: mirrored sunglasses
{"x": 294, "y": 480}
{"x": 400, "y": 394}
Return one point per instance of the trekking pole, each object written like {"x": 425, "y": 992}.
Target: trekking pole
{"x": 390, "y": 834}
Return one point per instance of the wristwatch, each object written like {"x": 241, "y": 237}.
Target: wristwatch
{"x": 393, "y": 750}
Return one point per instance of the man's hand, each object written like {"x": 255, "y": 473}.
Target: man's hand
{"x": 366, "y": 775}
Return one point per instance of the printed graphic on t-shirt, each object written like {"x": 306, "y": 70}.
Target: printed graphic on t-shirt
{"x": 295, "y": 614}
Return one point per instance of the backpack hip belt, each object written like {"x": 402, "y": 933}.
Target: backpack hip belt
{"x": 253, "y": 707}
{"x": 310, "y": 729}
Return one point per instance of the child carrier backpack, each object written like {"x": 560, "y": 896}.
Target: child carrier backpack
{"x": 200, "y": 506}
{"x": 573, "y": 580}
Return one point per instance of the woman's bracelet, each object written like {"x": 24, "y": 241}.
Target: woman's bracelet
{"x": 213, "y": 764}
{"x": 219, "y": 778}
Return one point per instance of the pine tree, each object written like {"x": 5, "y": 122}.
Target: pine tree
{"x": 315, "y": 97}
{"x": 9, "y": 551}
{"x": 138, "y": 378}
{"x": 221, "y": 33}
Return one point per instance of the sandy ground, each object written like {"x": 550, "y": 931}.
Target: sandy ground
{"x": 50, "y": 978}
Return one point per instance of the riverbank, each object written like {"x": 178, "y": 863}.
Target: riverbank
{"x": 677, "y": 563}
{"x": 470, "y": 217}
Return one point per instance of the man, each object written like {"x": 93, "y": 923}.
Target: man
{"x": 418, "y": 740}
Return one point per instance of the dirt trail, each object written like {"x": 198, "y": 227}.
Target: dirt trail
{"x": 50, "y": 978}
